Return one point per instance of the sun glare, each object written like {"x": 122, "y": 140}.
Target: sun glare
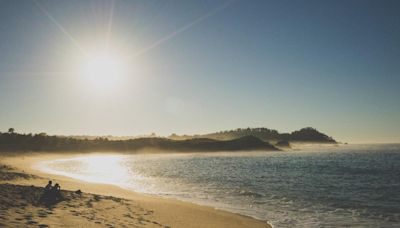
{"x": 103, "y": 70}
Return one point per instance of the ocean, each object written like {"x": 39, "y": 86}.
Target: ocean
{"x": 348, "y": 185}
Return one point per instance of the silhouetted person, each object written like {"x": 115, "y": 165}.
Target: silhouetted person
{"x": 55, "y": 193}
{"x": 48, "y": 186}
{"x": 46, "y": 193}
{"x": 57, "y": 187}
{"x": 51, "y": 194}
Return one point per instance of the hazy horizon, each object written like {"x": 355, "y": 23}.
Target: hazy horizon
{"x": 127, "y": 68}
{"x": 154, "y": 134}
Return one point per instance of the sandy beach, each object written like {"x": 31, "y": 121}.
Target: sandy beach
{"x": 100, "y": 205}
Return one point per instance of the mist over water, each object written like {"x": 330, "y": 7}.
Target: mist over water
{"x": 343, "y": 186}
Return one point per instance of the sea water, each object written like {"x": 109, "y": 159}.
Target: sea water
{"x": 357, "y": 186}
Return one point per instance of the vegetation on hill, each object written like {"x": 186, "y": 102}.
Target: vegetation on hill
{"x": 12, "y": 141}
{"x": 303, "y": 135}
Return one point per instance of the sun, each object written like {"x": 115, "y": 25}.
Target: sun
{"x": 103, "y": 69}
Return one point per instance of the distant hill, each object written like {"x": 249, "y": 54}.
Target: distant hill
{"x": 10, "y": 142}
{"x": 310, "y": 135}
{"x": 235, "y": 140}
{"x": 202, "y": 144}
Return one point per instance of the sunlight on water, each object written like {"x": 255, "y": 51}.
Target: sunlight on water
{"x": 107, "y": 169}
{"x": 346, "y": 186}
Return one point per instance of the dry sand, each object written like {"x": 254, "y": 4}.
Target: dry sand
{"x": 100, "y": 205}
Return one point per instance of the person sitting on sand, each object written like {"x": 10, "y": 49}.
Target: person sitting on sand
{"x": 57, "y": 187}
{"x": 51, "y": 194}
{"x": 48, "y": 186}
{"x": 56, "y": 193}
{"x": 46, "y": 193}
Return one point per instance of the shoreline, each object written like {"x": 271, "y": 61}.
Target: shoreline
{"x": 174, "y": 212}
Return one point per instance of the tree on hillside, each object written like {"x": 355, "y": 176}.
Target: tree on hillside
{"x": 11, "y": 130}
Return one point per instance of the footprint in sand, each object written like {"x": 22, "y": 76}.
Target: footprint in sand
{"x": 42, "y": 214}
{"x": 31, "y": 222}
{"x": 97, "y": 198}
{"x": 89, "y": 204}
{"x": 128, "y": 215}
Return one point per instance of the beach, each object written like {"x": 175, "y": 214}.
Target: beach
{"x": 100, "y": 205}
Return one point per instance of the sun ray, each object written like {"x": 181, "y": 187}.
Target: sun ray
{"x": 110, "y": 24}
{"x": 62, "y": 29}
{"x": 182, "y": 29}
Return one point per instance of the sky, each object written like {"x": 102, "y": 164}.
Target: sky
{"x": 202, "y": 66}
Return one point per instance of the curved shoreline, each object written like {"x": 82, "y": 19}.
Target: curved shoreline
{"x": 175, "y": 212}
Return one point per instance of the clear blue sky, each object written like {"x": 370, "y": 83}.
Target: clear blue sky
{"x": 202, "y": 66}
